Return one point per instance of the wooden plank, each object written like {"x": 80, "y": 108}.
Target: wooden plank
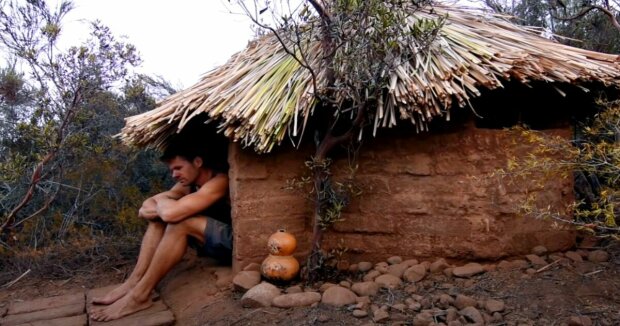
{"x": 45, "y": 303}
{"x": 162, "y": 318}
{"x": 53, "y": 313}
{"x": 80, "y": 320}
{"x": 99, "y": 292}
{"x": 156, "y": 307}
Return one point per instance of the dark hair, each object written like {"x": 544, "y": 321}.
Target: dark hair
{"x": 213, "y": 157}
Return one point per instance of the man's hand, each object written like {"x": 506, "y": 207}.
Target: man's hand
{"x": 148, "y": 210}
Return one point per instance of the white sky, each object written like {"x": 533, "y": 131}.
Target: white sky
{"x": 179, "y": 40}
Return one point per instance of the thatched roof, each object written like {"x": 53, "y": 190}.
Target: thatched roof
{"x": 262, "y": 93}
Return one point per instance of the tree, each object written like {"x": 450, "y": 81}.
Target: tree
{"x": 361, "y": 43}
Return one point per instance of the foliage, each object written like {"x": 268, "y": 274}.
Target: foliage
{"x": 591, "y": 25}
{"x": 63, "y": 175}
{"x": 592, "y": 160}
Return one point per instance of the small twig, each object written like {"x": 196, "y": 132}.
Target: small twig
{"x": 8, "y": 285}
{"x": 546, "y": 267}
{"x": 592, "y": 273}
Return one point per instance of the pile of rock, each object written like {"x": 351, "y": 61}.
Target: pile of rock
{"x": 359, "y": 294}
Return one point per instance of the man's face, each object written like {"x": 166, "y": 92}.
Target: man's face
{"x": 184, "y": 171}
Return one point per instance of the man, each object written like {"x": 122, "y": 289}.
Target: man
{"x": 195, "y": 209}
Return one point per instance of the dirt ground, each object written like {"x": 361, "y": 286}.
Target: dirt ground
{"x": 199, "y": 293}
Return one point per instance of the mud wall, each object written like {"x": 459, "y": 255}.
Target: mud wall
{"x": 426, "y": 195}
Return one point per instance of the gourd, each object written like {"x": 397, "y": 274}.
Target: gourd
{"x": 280, "y": 265}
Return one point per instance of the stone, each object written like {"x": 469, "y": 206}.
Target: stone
{"x": 598, "y": 256}
{"x": 326, "y": 286}
{"x": 400, "y": 307}
{"x": 530, "y": 271}
{"x": 426, "y": 265}
{"x": 468, "y": 270}
{"x": 364, "y": 266}
{"x": 472, "y": 314}
{"x": 388, "y": 281}
{"x": 302, "y": 299}
{"x": 462, "y": 301}
{"x": 345, "y": 284}
{"x": 574, "y": 256}
{"x": 489, "y": 267}
{"x": 410, "y": 262}
{"x": 338, "y": 296}
{"x": 380, "y": 316}
{"x": 497, "y": 317}
{"x": 415, "y": 273}
{"x": 519, "y": 264}
{"x": 322, "y": 318}
{"x": 579, "y": 321}
{"x": 415, "y": 306}
{"x": 246, "y": 280}
{"x": 361, "y": 305}
{"x": 394, "y": 260}
{"x": 536, "y": 260}
{"x": 423, "y": 319}
{"x": 455, "y": 323}
{"x": 445, "y": 301}
{"x": 260, "y": 295}
{"x": 452, "y": 314}
{"x": 252, "y": 267}
{"x": 539, "y": 250}
{"x": 397, "y": 269}
{"x": 365, "y": 288}
{"x": 492, "y": 306}
{"x": 359, "y": 313}
{"x": 504, "y": 265}
{"x": 371, "y": 275}
{"x": 382, "y": 267}
{"x": 448, "y": 272}
{"x": 438, "y": 266}
{"x": 354, "y": 268}
{"x": 411, "y": 288}
{"x": 363, "y": 299}
{"x": 294, "y": 289}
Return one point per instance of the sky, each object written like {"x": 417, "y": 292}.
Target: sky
{"x": 179, "y": 40}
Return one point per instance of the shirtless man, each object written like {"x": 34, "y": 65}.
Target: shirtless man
{"x": 195, "y": 209}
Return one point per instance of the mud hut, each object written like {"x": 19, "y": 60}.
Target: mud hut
{"x": 425, "y": 180}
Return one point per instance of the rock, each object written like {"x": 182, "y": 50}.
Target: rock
{"x": 382, "y": 267}
{"x": 455, "y": 323}
{"x": 246, "y": 280}
{"x": 400, "y": 307}
{"x": 380, "y": 316}
{"x": 365, "y": 288}
{"x": 472, "y": 314}
{"x": 364, "y": 266}
{"x": 448, "y": 272}
{"x": 463, "y": 301}
{"x": 415, "y": 306}
{"x": 354, "y": 268}
{"x": 411, "y": 288}
{"x": 363, "y": 299}
{"x": 345, "y": 284}
{"x": 451, "y": 314}
{"x": 536, "y": 260}
{"x": 598, "y": 256}
{"x": 338, "y": 296}
{"x": 388, "y": 281}
{"x": 323, "y": 318}
{"x": 397, "y": 269}
{"x": 410, "y": 262}
{"x": 468, "y": 270}
{"x": 497, "y": 317}
{"x": 326, "y": 286}
{"x": 539, "y": 250}
{"x": 493, "y": 305}
{"x": 294, "y": 289}
{"x": 343, "y": 265}
{"x": 504, "y": 265}
{"x": 252, "y": 267}
{"x": 359, "y": 313}
{"x": 488, "y": 319}
{"x": 260, "y": 295}
{"x": 438, "y": 266}
{"x": 415, "y": 273}
{"x": 445, "y": 301}
{"x": 489, "y": 267}
{"x": 573, "y": 256}
{"x": 530, "y": 271}
{"x": 423, "y": 319}
{"x": 583, "y": 253}
{"x": 519, "y": 264}
{"x": 371, "y": 275}
{"x": 426, "y": 265}
{"x": 361, "y": 305}
{"x": 579, "y": 321}
{"x": 394, "y": 260}
{"x": 296, "y": 299}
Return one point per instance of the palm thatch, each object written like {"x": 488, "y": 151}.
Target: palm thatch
{"x": 262, "y": 92}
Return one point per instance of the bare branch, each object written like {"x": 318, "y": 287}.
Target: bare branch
{"x": 585, "y": 10}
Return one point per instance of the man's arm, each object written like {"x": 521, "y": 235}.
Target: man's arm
{"x": 171, "y": 210}
{"x": 149, "y": 206}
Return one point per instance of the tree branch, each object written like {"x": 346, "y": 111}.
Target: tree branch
{"x": 585, "y": 10}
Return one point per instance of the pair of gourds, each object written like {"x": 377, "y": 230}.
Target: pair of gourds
{"x": 280, "y": 265}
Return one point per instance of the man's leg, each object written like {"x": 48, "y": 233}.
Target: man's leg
{"x": 150, "y": 241}
{"x": 169, "y": 252}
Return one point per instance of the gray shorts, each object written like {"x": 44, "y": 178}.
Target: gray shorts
{"x": 218, "y": 241}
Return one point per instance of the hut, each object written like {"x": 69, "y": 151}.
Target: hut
{"x": 426, "y": 191}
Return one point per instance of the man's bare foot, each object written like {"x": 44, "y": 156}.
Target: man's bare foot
{"x": 126, "y": 305}
{"x": 115, "y": 294}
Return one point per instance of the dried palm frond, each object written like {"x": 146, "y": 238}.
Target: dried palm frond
{"x": 262, "y": 93}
